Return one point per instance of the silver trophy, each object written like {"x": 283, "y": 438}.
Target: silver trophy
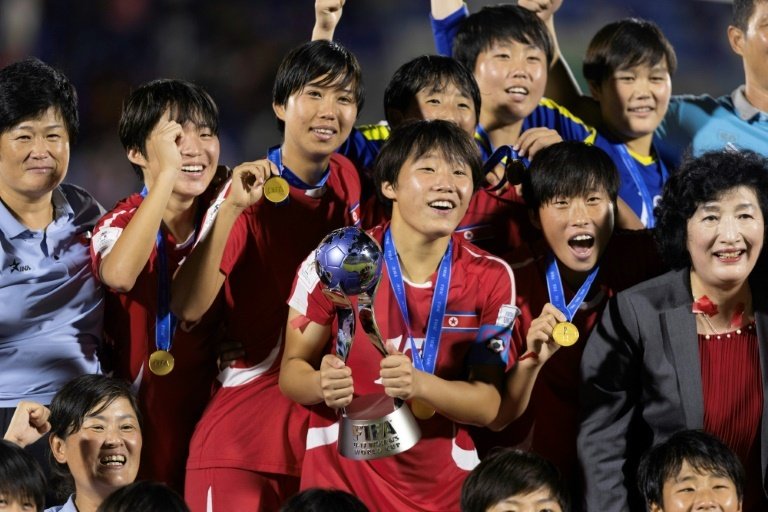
{"x": 349, "y": 263}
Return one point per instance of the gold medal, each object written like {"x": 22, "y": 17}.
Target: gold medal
{"x": 161, "y": 362}
{"x": 276, "y": 189}
{"x": 421, "y": 410}
{"x": 565, "y": 334}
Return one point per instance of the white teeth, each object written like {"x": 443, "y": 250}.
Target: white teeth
{"x": 324, "y": 131}
{"x": 641, "y": 109}
{"x": 191, "y": 168}
{"x": 728, "y": 255}
{"x": 113, "y": 460}
{"x": 517, "y": 90}
{"x": 581, "y": 238}
{"x": 441, "y": 204}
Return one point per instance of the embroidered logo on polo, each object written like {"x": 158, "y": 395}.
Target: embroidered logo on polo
{"x": 17, "y": 266}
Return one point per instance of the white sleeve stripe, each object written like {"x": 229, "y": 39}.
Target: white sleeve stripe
{"x": 305, "y": 284}
{"x": 506, "y": 266}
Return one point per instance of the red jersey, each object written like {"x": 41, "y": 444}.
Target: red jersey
{"x": 170, "y": 404}
{"x": 429, "y": 475}
{"x": 497, "y": 222}
{"x": 264, "y": 249}
{"x": 549, "y": 425}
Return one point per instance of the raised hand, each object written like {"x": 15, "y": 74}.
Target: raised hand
{"x": 539, "y": 338}
{"x": 28, "y": 424}
{"x": 163, "y": 153}
{"x": 327, "y": 17}
{"x": 248, "y": 181}
{"x": 534, "y": 139}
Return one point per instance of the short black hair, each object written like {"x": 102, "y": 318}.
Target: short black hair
{"x": 624, "y": 44}
{"x": 508, "y": 472}
{"x": 326, "y": 61}
{"x": 433, "y": 72}
{"x": 742, "y": 12}
{"x": 697, "y": 181}
{"x": 83, "y": 395}
{"x": 702, "y": 451}
{"x": 21, "y": 477}
{"x": 30, "y": 87}
{"x": 569, "y": 169}
{"x": 499, "y": 23}
{"x": 323, "y": 500}
{"x": 145, "y": 106}
{"x": 144, "y": 496}
{"x": 415, "y": 139}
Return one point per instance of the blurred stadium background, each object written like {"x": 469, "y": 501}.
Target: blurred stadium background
{"x": 233, "y": 47}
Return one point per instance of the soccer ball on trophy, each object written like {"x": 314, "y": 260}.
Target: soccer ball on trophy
{"x": 348, "y": 260}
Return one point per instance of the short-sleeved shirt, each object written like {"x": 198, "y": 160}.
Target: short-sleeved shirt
{"x": 703, "y": 123}
{"x": 51, "y": 318}
{"x": 69, "y": 506}
{"x": 429, "y": 475}
{"x": 130, "y": 321}
{"x": 265, "y": 247}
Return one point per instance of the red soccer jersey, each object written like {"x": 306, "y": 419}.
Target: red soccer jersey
{"x": 249, "y": 424}
{"x": 429, "y": 475}
{"x": 549, "y": 425}
{"x": 497, "y": 221}
{"x": 171, "y": 404}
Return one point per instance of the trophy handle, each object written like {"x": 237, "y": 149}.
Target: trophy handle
{"x": 368, "y": 320}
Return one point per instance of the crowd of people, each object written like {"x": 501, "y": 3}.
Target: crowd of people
{"x": 571, "y": 297}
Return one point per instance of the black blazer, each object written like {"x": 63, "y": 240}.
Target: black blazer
{"x": 641, "y": 383}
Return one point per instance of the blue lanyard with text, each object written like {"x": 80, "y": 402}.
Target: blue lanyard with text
{"x": 275, "y": 155}
{"x": 165, "y": 323}
{"x": 555, "y": 288}
{"x": 632, "y": 166}
{"x": 428, "y": 358}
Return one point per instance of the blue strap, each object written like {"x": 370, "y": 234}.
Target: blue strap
{"x": 633, "y": 167}
{"x": 555, "y": 288}
{"x": 504, "y": 154}
{"x": 428, "y": 358}
{"x": 275, "y": 155}
{"x": 165, "y": 322}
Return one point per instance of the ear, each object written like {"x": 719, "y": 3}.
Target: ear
{"x": 279, "y": 111}
{"x": 655, "y": 508}
{"x": 135, "y": 157}
{"x": 534, "y": 218}
{"x": 388, "y": 190}
{"x": 595, "y": 90}
{"x": 736, "y": 38}
{"x": 58, "y": 448}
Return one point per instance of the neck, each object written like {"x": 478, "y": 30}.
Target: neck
{"x": 573, "y": 279}
{"x": 87, "y": 502}
{"x": 419, "y": 256}
{"x": 756, "y": 96}
{"x": 179, "y": 217}
{"x": 310, "y": 170}
{"x": 727, "y": 298}
{"x": 34, "y": 213}
{"x": 500, "y": 133}
{"x": 642, "y": 145}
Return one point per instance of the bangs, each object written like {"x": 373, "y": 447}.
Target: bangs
{"x": 193, "y": 110}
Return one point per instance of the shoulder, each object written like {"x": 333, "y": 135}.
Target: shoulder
{"x": 83, "y": 204}
{"x": 121, "y": 213}
{"x": 474, "y": 260}
{"x": 375, "y": 132}
{"x": 666, "y": 291}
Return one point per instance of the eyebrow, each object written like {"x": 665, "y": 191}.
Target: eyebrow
{"x": 104, "y": 418}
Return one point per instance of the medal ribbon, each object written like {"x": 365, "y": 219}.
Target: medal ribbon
{"x": 428, "y": 358}
{"x": 633, "y": 166}
{"x": 165, "y": 323}
{"x": 555, "y": 288}
{"x": 275, "y": 155}
{"x": 503, "y": 153}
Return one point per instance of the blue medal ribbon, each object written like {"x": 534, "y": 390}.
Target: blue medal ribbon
{"x": 633, "y": 167}
{"x": 275, "y": 155}
{"x": 428, "y": 358}
{"x": 165, "y": 323}
{"x": 555, "y": 288}
{"x": 502, "y": 154}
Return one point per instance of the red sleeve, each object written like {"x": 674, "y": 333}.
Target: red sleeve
{"x": 307, "y": 296}
{"x": 238, "y": 237}
{"x": 108, "y": 229}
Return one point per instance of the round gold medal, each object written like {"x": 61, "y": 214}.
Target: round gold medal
{"x": 565, "y": 334}
{"x": 421, "y": 410}
{"x": 276, "y": 189}
{"x": 161, "y": 362}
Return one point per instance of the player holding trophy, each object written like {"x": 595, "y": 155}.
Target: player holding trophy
{"x": 443, "y": 308}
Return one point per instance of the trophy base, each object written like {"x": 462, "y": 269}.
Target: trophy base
{"x": 376, "y": 426}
